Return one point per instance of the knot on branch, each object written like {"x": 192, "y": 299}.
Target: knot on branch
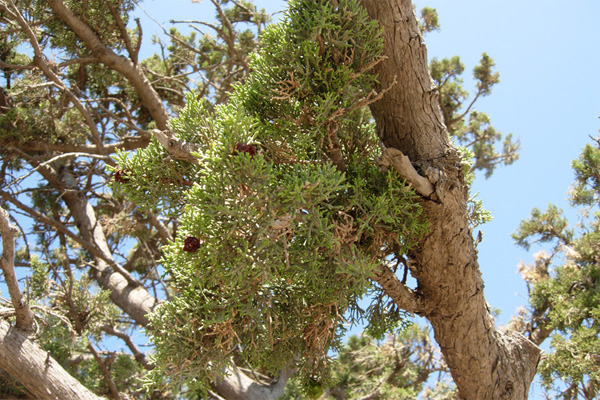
{"x": 177, "y": 149}
{"x": 391, "y": 157}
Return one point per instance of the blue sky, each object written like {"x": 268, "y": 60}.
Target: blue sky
{"x": 549, "y": 97}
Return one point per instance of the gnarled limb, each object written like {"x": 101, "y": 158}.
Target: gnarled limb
{"x": 177, "y": 149}
{"x": 32, "y": 366}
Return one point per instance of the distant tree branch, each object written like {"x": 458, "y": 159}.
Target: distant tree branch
{"x": 139, "y": 356}
{"x": 105, "y": 370}
{"x": 7, "y": 263}
{"x": 132, "y": 72}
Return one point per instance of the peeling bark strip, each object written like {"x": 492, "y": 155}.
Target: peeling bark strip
{"x": 33, "y": 367}
{"x": 401, "y": 163}
{"x": 485, "y": 362}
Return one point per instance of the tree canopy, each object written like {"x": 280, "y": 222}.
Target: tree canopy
{"x": 236, "y": 195}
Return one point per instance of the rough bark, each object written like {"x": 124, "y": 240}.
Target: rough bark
{"x": 239, "y": 386}
{"x": 32, "y": 366}
{"x": 8, "y": 232}
{"x": 485, "y": 362}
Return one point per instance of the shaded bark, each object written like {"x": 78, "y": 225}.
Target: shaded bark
{"x": 33, "y": 367}
{"x": 240, "y": 386}
{"x": 485, "y": 362}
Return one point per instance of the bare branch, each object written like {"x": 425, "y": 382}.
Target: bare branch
{"x": 94, "y": 250}
{"x": 123, "y": 32}
{"x": 129, "y": 143}
{"x": 139, "y": 356}
{"x": 55, "y": 158}
{"x": 104, "y": 368}
{"x": 404, "y": 297}
{"x": 7, "y": 263}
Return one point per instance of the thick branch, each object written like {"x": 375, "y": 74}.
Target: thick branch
{"x": 33, "y": 367}
{"x": 7, "y": 263}
{"x": 404, "y": 297}
{"x": 125, "y": 144}
{"x": 241, "y": 387}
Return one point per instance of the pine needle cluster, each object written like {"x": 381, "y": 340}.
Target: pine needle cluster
{"x": 286, "y": 214}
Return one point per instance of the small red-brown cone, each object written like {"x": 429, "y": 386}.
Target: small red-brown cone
{"x": 245, "y": 148}
{"x": 122, "y": 175}
{"x": 191, "y": 244}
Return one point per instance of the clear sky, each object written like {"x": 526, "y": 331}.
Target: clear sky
{"x": 547, "y": 53}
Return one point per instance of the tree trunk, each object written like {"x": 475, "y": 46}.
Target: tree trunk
{"x": 485, "y": 362}
{"x": 33, "y": 367}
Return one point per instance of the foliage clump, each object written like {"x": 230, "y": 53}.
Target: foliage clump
{"x": 399, "y": 367}
{"x": 564, "y": 286}
{"x": 287, "y": 214}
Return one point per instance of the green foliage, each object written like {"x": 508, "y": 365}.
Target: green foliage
{"x": 429, "y": 21}
{"x": 276, "y": 243}
{"x": 100, "y": 15}
{"x": 544, "y": 227}
{"x": 398, "y": 367}
{"x": 477, "y": 135}
{"x": 565, "y": 298}
{"x": 587, "y": 179}
{"x": 151, "y": 183}
{"x": 477, "y": 213}
{"x": 38, "y": 284}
